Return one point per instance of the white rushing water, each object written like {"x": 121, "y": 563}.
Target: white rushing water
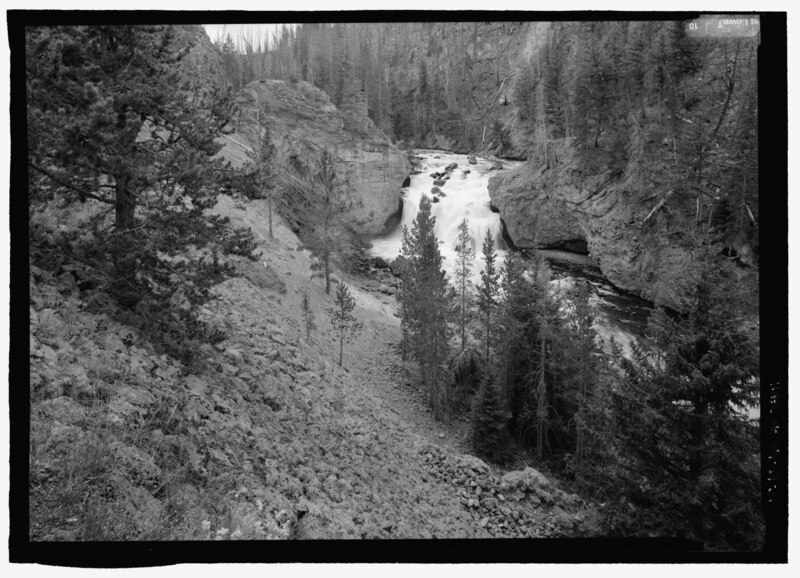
{"x": 466, "y": 195}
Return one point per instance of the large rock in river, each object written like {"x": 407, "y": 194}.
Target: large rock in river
{"x": 302, "y": 122}
{"x": 532, "y": 220}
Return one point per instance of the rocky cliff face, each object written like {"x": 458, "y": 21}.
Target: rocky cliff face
{"x": 521, "y": 211}
{"x": 201, "y": 69}
{"x": 549, "y": 208}
{"x": 303, "y": 121}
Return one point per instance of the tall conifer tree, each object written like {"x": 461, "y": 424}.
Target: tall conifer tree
{"x": 463, "y": 274}
{"x": 113, "y": 116}
{"x": 488, "y": 289}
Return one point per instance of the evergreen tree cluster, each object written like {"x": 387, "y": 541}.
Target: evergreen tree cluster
{"x": 668, "y": 112}
{"x": 116, "y": 120}
{"x": 665, "y": 430}
{"x": 414, "y": 79}
{"x": 679, "y": 415}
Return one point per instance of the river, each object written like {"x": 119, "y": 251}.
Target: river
{"x": 466, "y": 195}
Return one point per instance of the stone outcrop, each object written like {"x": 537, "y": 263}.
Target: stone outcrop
{"x": 303, "y": 121}
{"x": 532, "y": 220}
{"x": 551, "y": 208}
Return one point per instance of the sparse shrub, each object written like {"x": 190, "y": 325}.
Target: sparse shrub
{"x": 308, "y": 315}
{"x": 177, "y": 332}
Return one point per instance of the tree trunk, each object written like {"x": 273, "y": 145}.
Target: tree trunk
{"x": 541, "y": 407}
{"x": 269, "y": 209}
{"x": 125, "y": 206}
{"x": 488, "y": 313}
{"x": 579, "y": 445}
{"x": 463, "y": 313}
{"x": 326, "y": 261}
{"x": 341, "y": 346}
{"x": 124, "y": 285}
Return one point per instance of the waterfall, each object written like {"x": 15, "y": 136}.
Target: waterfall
{"x": 465, "y": 195}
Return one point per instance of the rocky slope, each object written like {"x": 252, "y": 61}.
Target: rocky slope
{"x": 302, "y": 122}
{"x": 264, "y": 437}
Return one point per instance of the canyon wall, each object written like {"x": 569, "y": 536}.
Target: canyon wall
{"x": 302, "y": 122}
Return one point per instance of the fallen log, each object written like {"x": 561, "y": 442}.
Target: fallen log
{"x": 657, "y": 207}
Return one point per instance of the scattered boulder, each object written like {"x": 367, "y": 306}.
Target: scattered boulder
{"x": 437, "y": 191}
{"x": 472, "y": 160}
{"x": 472, "y": 463}
{"x": 451, "y": 166}
{"x": 380, "y": 263}
{"x": 196, "y": 385}
{"x": 439, "y": 182}
{"x": 589, "y": 523}
{"x": 528, "y": 479}
{"x": 407, "y": 181}
{"x": 64, "y": 410}
{"x": 260, "y": 274}
{"x": 66, "y": 283}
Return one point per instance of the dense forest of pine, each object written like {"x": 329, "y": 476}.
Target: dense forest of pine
{"x": 664, "y": 432}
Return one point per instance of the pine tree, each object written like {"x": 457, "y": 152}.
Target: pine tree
{"x": 325, "y": 236}
{"x": 490, "y": 437}
{"x": 519, "y": 326}
{"x": 107, "y": 112}
{"x": 115, "y": 117}
{"x": 542, "y": 379}
{"x": 428, "y": 306}
{"x": 308, "y": 315}
{"x": 231, "y": 61}
{"x": 463, "y": 275}
{"x": 261, "y": 169}
{"x": 680, "y": 421}
{"x": 488, "y": 289}
{"x": 342, "y": 317}
{"x": 581, "y": 359}
{"x": 405, "y": 293}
